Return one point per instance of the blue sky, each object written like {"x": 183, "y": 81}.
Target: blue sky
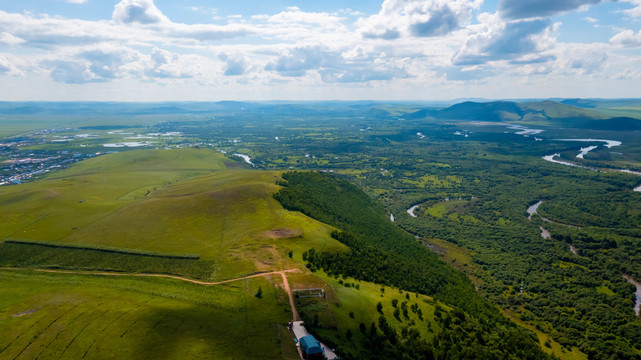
{"x": 161, "y": 50}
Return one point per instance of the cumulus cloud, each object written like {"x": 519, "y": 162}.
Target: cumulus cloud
{"x": 354, "y": 65}
{"x": 93, "y": 65}
{"x": 581, "y": 59}
{"x": 635, "y": 11}
{"x": 145, "y": 12}
{"x": 70, "y": 72}
{"x": 165, "y": 64}
{"x": 297, "y": 61}
{"x": 234, "y": 66}
{"x": 7, "y": 66}
{"x": 138, "y": 11}
{"x": 9, "y": 39}
{"x": 627, "y": 38}
{"x": 45, "y": 31}
{"x": 500, "y": 40}
{"x": 522, "y": 9}
{"x": 112, "y": 62}
{"x": 135, "y": 22}
{"x": 421, "y": 18}
{"x": 436, "y": 42}
{"x": 109, "y": 64}
{"x": 294, "y": 15}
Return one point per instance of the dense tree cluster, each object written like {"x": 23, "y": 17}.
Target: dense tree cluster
{"x": 380, "y": 252}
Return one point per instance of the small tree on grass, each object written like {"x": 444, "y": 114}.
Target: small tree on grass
{"x": 259, "y": 292}
{"x": 290, "y": 254}
{"x": 379, "y": 307}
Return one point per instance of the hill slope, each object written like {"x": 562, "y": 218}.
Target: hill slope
{"x": 547, "y": 112}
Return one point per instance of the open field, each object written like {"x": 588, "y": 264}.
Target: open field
{"x": 61, "y": 316}
{"x": 177, "y": 212}
{"x": 178, "y": 201}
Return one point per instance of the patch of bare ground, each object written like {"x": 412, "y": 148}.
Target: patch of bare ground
{"x": 24, "y": 313}
{"x": 282, "y": 233}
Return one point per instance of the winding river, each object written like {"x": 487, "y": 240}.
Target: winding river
{"x": 532, "y": 209}
{"x": 546, "y": 235}
{"x": 551, "y": 158}
{"x": 608, "y": 144}
{"x": 246, "y": 158}
{"x": 586, "y": 150}
{"x": 411, "y": 210}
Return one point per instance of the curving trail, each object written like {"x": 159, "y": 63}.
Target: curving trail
{"x": 206, "y": 283}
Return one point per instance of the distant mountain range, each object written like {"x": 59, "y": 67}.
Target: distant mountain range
{"x": 597, "y": 114}
{"x": 574, "y": 113}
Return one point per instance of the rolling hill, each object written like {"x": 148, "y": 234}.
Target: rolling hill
{"x": 182, "y": 213}
{"x": 550, "y": 113}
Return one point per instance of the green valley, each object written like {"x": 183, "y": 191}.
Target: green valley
{"x": 424, "y": 209}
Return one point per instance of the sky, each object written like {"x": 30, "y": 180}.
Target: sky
{"x": 212, "y": 50}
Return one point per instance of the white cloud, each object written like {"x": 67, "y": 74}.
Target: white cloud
{"x": 438, "y": 46}
{"x": 627, "y": 38}
{"x": 234, "y": 65}
{"x": 138, "y": 11}
{"x": 421, "y": 18}
{"x": 107, "y": 63}
{"x": 9, "y": 39}
{"x": 495, "y": 39}
{"x": 584, "y": 59}
{"x": 77, "y": 1}
{"x": 8, "y": 67}
{"x": 635, "y": 11}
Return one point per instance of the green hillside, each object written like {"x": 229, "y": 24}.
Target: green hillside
{"x": 543, "y": 113}
{"x": 180, "y": 201}
{"x": 179, "y": 212}
{"x": 382, "y": 253}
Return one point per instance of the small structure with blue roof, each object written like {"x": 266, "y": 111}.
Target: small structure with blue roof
{"x": 311, "y": 348}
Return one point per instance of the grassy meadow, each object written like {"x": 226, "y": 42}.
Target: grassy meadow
{"x": 169, "y": 201}
{"x": 61, "y": 316}
{"x": 180, "y": 212}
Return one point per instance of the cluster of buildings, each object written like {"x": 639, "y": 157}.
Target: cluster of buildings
{"x": 18, "y": 165}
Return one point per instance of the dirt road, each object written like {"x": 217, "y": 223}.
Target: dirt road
{"x": 206, "y": 283}
{"x": 291, "y": 297}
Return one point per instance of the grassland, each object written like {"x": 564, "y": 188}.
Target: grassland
{"x": 176, "y": 212}
{"x": 49, "y": 255}
{"x": 60, "y": 316}
{"x": 178, "y": 201}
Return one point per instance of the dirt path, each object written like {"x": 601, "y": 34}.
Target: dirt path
{"x": 206, "y": 283}
{"x": 291, "y": 297}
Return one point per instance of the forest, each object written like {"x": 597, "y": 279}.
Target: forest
{"x": 382, "y": 253}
